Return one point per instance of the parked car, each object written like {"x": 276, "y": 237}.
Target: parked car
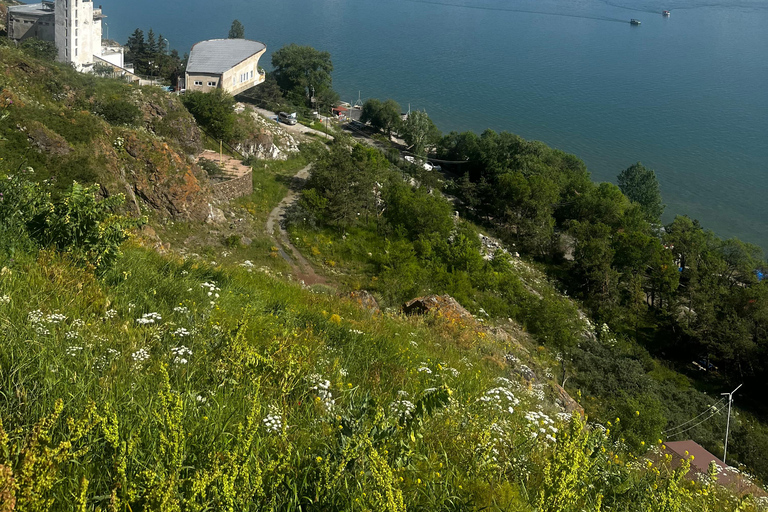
{"x": 436, "y": 167}
{"x": 284, "y": 117}
{"x": 410, "y": 159}
{"x": 428, "y": 166}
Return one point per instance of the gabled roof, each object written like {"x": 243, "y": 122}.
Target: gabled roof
{"x": 216, "y": 56}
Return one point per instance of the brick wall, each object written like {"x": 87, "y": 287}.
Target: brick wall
{"x": 235, "y": 188}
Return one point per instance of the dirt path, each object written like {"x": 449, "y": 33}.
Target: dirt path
{"x": 302, "y": 269}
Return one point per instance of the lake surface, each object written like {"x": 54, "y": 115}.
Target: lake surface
{"x": 686, "y": 95}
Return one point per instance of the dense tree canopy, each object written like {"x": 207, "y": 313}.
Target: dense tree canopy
{"x": 383, "y": 116}
{"x": 300, "y": 70}
{"x": 150, "y": 56}
{"x": 419, "y": 132}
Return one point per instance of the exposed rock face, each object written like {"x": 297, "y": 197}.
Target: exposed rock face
{"x": 567, "y": 402}
{"x": 166, "y": 181}
{"x": 215, "y": 215}
{"x": 45, "y": 140}
{"x": 165, "y": 116}
{"x": 445, "y": 305}
{"x": 365, "y": 300}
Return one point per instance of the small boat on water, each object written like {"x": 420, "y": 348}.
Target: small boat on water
{"x": 665, "y": 13}
{"x": 633, "y": 21}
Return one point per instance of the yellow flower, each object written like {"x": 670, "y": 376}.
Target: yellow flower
{"x": 637, "y": 413}
{"x": 319, "y": 459}
{"x": 335, "y": 318}
{"x": 418, "y": 480}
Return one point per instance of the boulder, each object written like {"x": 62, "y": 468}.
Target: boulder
{"x": 444, "y": 305}
{"x": 215, "y": 215}
{"x": 365, "y": 300}
{"x": 567, "y": 402}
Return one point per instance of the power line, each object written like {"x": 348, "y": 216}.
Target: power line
{"x": 708, "y": 409}
{"x": 699, "y": 423}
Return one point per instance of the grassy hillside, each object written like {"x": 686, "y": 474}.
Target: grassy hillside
{"x": 209, "y": 381}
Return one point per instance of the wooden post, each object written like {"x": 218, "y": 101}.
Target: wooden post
{"x": 221, "y": 151}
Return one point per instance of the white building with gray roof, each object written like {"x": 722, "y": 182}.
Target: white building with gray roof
{"x": 228, "y": 64}
{"x": 73, "y": 25}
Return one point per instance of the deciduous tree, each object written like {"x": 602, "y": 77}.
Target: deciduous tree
{"x": 641, "y": 186}
{"x": 237, "y": 30}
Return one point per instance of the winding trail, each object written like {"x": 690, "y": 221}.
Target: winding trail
{"x": 301, "y": 268}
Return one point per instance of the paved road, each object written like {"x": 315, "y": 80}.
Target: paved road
{"x": 295, "y": 128}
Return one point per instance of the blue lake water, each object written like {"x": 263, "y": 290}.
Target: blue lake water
{"x": 686, "y": 95}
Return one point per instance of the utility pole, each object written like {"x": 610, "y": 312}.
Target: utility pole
{"x": 728, "y": 422}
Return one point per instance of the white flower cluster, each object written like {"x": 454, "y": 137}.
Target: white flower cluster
{"x": 103, "y": 361}
{"x": 273, "y": 423}
{"x": 248, "y": 265}
{"x": 77, "y": 323}
{"x": 541, "y": 425}
{"x": 181, "y": 332}
{"x": 510, "y": 358}
{"x": 501, "y": 398}
{"x": 355, "y": 331}
{"x": 212, "y": 291}
{"x": 38, "y": 320}
{"x": 181, "y": 309}
{"x": 424, "y": 368}
{"x": 111, "y": 313}
{"x": 71, "y": 335}
{"x": 322, "y": 389}
{"x": 447, "y": 369}
{"x": 343, "y": 372}
{"x": 140, "y": 355}
{"x": 149, "y": 318}
{"x": 4, "y": 300}
{"x": 181, "y": 353}
{"x": 400, "y": 407}
{"x": 73, "y": 350}
{"x": 201, "y": 400}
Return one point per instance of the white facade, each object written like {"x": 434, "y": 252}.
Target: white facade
{"x": 114, "y": 55}
{"x": 78, "y": 32}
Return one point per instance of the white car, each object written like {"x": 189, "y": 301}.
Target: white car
{"x": 428, "y": 166}
{"x": 410, "y": 159}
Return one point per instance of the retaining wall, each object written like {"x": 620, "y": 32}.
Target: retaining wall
{"x": 234, "y": 188}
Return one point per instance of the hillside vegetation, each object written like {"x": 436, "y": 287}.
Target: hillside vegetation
{"x": 133, "y": 380}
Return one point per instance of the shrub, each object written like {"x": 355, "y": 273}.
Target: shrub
{"x": 214, "y": 111}
{"x": 118, "y": 112}
{"x": 39, "y": 49}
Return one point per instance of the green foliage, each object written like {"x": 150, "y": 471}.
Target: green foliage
{"x": 383, "y": 116}
{"x": 118, "y": 112}
{"x": 39, "y": 49}
{"x": 299, "y": 69}
{"x": 419, "y": 132}
{"x": 150, "y": 56}
{"x": 79, "y": 224}
{"x": 237, "y": 30}
{"x": 214, "y": 111}
{"x": 641, "y": 186}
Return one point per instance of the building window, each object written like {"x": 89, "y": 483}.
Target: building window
{"x": 75, "y": 22}
{"x": 251, "y": 73}
{"x": 75, "y": 52}
{"x": 75, "y": 32}
{"x": 198, "y": 82}
{"x": 211, "y": 84}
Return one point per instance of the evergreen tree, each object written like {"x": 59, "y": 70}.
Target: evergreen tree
{"x": 641, "y": 186}
{"x": 237, "y": 30}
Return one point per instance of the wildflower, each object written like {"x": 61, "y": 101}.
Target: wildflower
{"x": 336, "y": 319}
{"x": 181, "y": 332}
{"x": 319, "y": 459}
{"x": 71, "y": 335}
{"x": 140, "y": 355}
{"x": 4, "y": 300}
{"x": 73, "y": 350}
{"x": 201, "y": 399}
{"x": 78, "y": 323}
{"x": 180, "y": 354}
{"x": 181, "y": 309}
{"x": 149, "y": 318}
{"x": 273, "y": 423}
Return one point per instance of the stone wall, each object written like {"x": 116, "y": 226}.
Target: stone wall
{"x": 234, "y": 188}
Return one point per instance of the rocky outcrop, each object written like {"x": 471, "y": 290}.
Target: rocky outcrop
{"x": 165, "y": 180}
{"x": 567, "y": 402}
{"x": 365, "y": 300}
{"x": 444, "y": 305}
{"x": 45, "y": 140}
{"x": 165, "y": 116}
